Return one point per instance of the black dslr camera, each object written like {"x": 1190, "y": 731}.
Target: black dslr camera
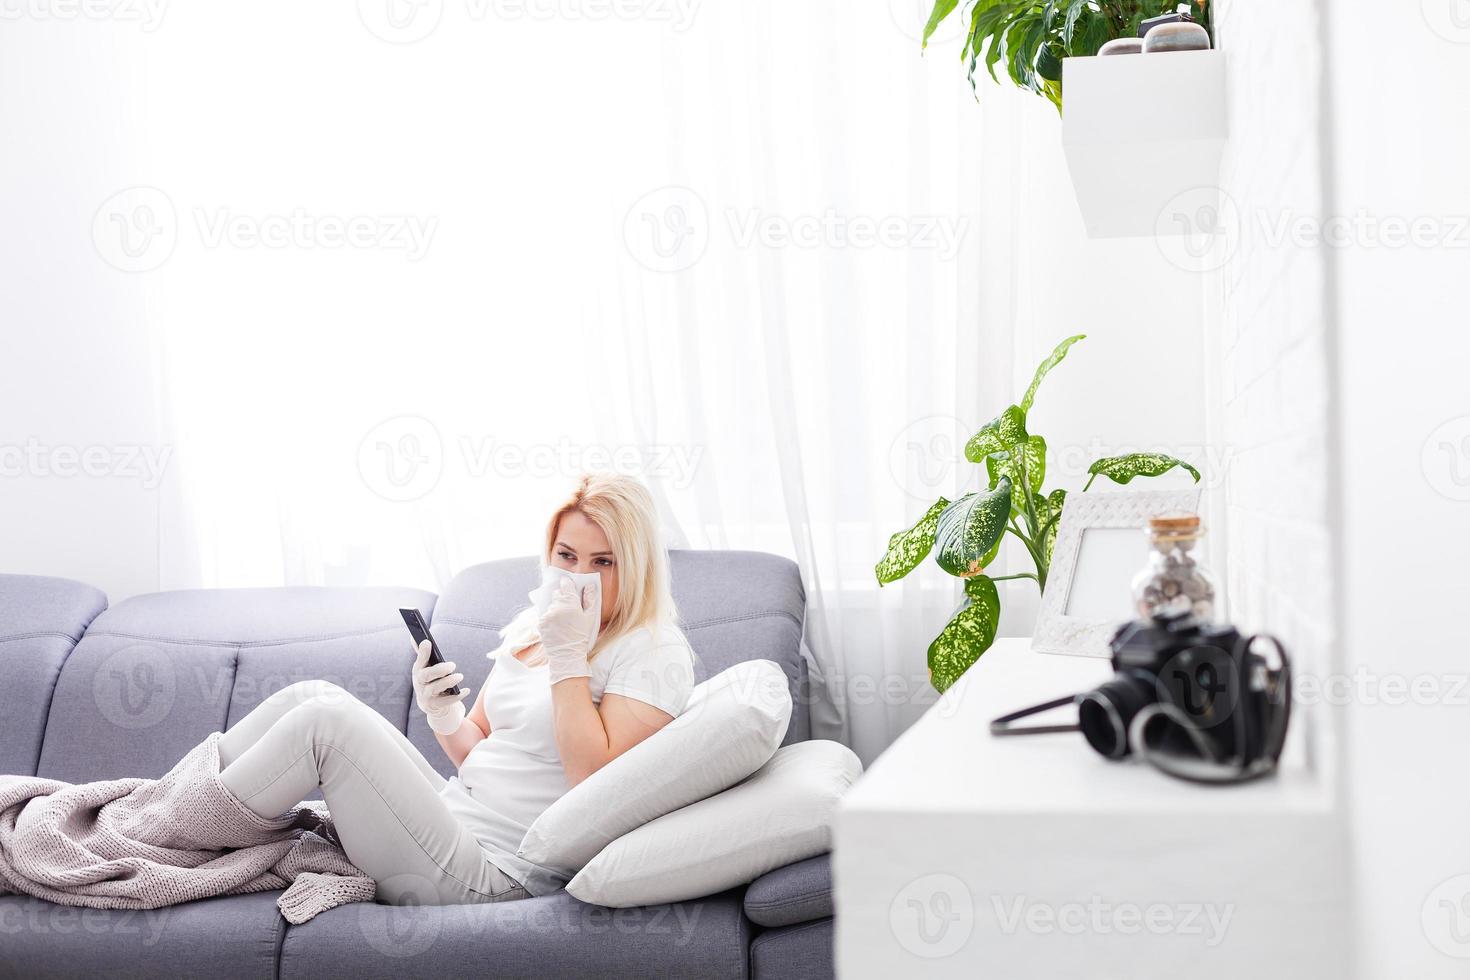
{"x": 1196, "y": 700}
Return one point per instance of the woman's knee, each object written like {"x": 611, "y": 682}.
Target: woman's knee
{"x": 334, "y": 711}
{"x": 303, "y": 691}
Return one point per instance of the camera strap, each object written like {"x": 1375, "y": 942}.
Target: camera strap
{"x": 1004, "y": 725}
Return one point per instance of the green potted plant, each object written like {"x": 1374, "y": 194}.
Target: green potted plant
{"x": 966, "y": 535}
{"x": 1031, "y": 37}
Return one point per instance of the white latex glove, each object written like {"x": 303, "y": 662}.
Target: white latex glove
{"x": 564, "y": 628}
{"x": 430, "y": 682}
{"x": 551, "y": 579}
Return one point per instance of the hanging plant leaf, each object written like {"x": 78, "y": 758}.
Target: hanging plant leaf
{"x": 999, "y": 434}
{"x": 1023, "y": 39}
{"x": 1094, "y": 32}
{"x": 985, "y": 19}
{"x": 969, "y": 528}
{"x": 907, "y": 548}
{"x": 968, "y": 635}
{"x": 1121, "y": 469}
{"x": 942, "y": 9}
{"x": 1034, "y": 37}
{"x": 1069, "y": 24}
{"x": 1052, "y": 89}
{"x": 1049, "y": 64}
{"x": 997, "y": 28}
{"x": 1042, "y": 369}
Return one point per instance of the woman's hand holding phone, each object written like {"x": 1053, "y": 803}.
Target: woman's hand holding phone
{"x": 431, "y": 686}
{"x": 564, "y": 628}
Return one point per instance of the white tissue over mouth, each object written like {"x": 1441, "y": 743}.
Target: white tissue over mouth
{"x": 551, "y": 579}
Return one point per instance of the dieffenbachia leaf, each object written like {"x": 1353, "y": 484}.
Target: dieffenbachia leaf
{"x": 1048, "y": 515}
{"x": 998, "y": 435}
{"x": 942, "y": 9}
{"x": 969, "y": 634}
{"x": 1032, "y": 453}
{"x": 907, "y": 548}
{"x": 969, "y": 528}
{"x": 1052, "y": 360}
{"x": 1121, "y": 469}
{"x": 988, "y": 559}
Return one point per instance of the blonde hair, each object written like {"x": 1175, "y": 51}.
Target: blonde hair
{"x": 622, "y": 508}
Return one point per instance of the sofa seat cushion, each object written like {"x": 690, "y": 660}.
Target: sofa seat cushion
{"x": 41, "y": 620}
{"x": 798, "y": 892}
{"x": 231, "y": 936}
{"x": 534, "y": 938}
{"x": 801, "y": 952}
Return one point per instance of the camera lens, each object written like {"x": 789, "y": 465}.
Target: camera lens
{"x": 1105, "y": 714}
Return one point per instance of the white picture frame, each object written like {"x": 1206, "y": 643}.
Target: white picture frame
{"x": 1090, "y": 573}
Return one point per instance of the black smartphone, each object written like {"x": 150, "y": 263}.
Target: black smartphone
{"x": 419, "y": 630}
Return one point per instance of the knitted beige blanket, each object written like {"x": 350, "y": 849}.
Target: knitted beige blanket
{"x": 145, "y": 843}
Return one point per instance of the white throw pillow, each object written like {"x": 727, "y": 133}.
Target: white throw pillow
{"x": 733, "y": 723}
{"x": 781, "y": 814}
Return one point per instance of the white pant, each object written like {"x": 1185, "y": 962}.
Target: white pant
{"x": 383, "y": 794}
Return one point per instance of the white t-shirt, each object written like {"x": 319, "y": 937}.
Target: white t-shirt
{"x": 509, "y": 778}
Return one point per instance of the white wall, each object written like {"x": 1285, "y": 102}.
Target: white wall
{"x": 1272, "y": 341}
{"x": 1401, "y": 138}
{"x": 1344, "y": 400}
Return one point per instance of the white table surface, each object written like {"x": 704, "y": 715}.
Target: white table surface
{"x": 961, "y": 854}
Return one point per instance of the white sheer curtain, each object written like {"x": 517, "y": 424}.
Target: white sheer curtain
{"x": 758, "y": 252}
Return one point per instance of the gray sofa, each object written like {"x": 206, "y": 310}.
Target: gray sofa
{"x": 90, "y": 692}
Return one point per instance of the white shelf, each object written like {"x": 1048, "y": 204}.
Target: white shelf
{"x": 951, "y": 825}
{"x": 1141, "y": 131}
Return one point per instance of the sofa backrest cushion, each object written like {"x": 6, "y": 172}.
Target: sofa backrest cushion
{"x": 41, "y": 620}
{"x": 156, "y": 673}
{"x": 733, "y": 605}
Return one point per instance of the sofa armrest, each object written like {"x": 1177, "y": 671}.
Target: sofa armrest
{"x": 799, "y": 892}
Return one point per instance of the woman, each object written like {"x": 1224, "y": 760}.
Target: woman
{"x": 555, "y": 709}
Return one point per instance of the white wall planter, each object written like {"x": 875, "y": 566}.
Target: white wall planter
{"x": 1140, "y": 131}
